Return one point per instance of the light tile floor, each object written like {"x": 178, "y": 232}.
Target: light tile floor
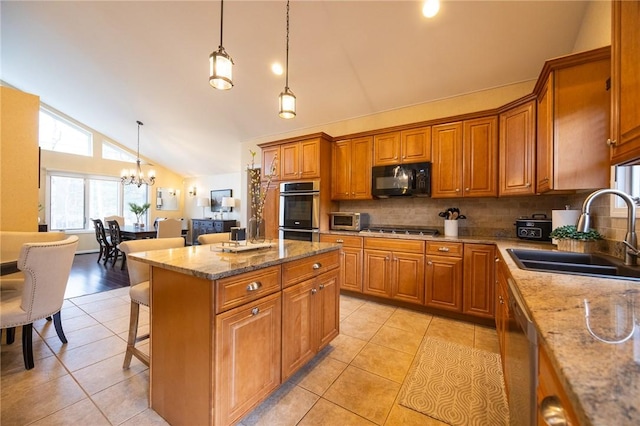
{"x": 354, "y": 381}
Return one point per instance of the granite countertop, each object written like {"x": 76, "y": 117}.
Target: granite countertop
{"x": 207, "y": 261}
{"x": 601, "y": 379}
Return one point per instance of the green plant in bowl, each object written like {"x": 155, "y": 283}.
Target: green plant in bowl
{"x": 572, "y": 233}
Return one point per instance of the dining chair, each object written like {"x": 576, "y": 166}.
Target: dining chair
{"x": 119, "y": 219}
{"x": 46, "y": 267}
{"x": 139, "y": 291}
{"x": 106, "y": 248}
{"x": 169, "y": 228}
{"x": 214, "y": 238}
{"x": 116, "y": 239}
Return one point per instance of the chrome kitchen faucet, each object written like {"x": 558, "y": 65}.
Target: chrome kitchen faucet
{"x": 630, "y": 239}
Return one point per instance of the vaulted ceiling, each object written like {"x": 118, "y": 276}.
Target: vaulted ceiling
{"x": 108, "y": 64}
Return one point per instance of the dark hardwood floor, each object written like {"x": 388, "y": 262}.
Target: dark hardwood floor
{"x": 88, "y": 276}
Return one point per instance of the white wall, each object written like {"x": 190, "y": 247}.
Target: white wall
{"x": 204, "y": 185}
{"x": 595, "y": 30}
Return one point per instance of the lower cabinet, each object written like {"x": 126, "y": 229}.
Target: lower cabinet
{"x": 443, "y": 279}
{"x": 394, "y": 268}
{"x": 478, "y": 283}
{"x": 351, "y": 260}
{"x": 554, "y": 407}
{"x": 502, "y": 310}
{"x": 247, "y": 357}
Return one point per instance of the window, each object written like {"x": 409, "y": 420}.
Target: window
{"x": 627, "y": 179}
{"x": 112, "y": 152}
{"x": 76, "y": 198}
{"x": 60, "y": 135}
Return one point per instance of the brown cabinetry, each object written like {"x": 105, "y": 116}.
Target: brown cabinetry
{"x": 573, "y": 110}
{"x": 406, "y": 146}
{"x": 394, "y": 268}
{"x": 502, "y": 309}
{"x": 551, "y": 390}
{"x": 625, "y": 82}
{"x": 300, "y": 160}
{"x": 271, "y": 156}
{"x": 310, "y": 317}
{"x": 351, "y": 171}
{"x": 465, "y": 159}
{"x": 271, "y": 210}
{"x": 443, "y": 279}
{"x": 248, "y": 368}
{"x": 350, "y": 262}
{"x": 517, "y": 150}
{"x": 478, "y": 283}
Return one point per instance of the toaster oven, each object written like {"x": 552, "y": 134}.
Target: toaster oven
{"x": 346, "y": 221}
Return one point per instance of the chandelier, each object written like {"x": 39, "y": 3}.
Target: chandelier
{"x": 135, "y": 176}
{"x": 220, "y": 63}
{"x": 287, "y": 99}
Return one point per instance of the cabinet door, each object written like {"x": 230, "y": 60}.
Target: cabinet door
{"x": 550, "y": 386}
{"x": 444, "y": 282}
{"x": 271, "y": 156}
{"x": 408, "y": 277}
{"x": 351, "y": 278}
{"x": 360, "y": 179}
{"x": 544, "y": 147}
{"x": 415, "y": 145}
{"x": 309, "y": 162}
{"x": 446, "y": 140}
{"x": 376, "y": 273}
{"x": 480, "y": 157}
{"x": 290, "y": 164}
{"x": 625, "y": 79}
{"x": 386, "y": 149}
{"x": 478, "y": 283}
{"x": 517, "y": 150}
{"x": 502, "y": 309}
{"x": 327, "y": 300}
{"x": 271, "y": 211}
{"x": 298, "y": 324}
{"x": 341, "y": 170}
{"x": 248, "y": 342}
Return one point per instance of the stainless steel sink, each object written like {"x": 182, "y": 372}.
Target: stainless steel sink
{"x": 563, "y": 262}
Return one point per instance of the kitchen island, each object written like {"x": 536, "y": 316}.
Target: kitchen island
{"x": 228, "y": 328}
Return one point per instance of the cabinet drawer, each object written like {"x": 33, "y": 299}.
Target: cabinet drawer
{"x": 393, "y": 244}
{"x": 346, "y": 240}
{"x": 309, "y": 267}
{"x": 238, "y": 290}
{"x": 444, "y": 248}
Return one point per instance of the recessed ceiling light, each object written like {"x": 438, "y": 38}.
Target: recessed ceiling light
{"x": 431, "y": 8}
{"x": 277, "y": 68}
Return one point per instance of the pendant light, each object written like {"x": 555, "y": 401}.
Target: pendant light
{"x": 287, "y": 99}
{"x": 220, "y": 63}
{"x": 135, "y": 176}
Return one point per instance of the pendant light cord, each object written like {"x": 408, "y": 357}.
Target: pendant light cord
{"x": 139, "y": 124}
{"x": 286, "y": 84}
{"x": 221, "y": 21}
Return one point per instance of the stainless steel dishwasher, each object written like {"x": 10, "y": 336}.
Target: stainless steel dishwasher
{"x": 521, "y": 362}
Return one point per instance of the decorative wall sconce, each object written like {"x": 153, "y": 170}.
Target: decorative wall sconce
{"x": 193, "y": 191}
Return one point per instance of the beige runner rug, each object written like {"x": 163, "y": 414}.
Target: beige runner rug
{"x": 456, "y": 384}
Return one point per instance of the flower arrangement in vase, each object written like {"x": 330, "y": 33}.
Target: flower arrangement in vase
{"x": 258, "y": 195}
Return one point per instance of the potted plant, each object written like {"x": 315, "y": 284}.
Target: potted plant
{"x": 570, "y": 239}
{"x": 139, "y": 211}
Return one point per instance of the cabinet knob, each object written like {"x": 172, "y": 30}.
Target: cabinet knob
{"x": 317, "y": 265}
{"x": 552, "y": 412}
{"x": 445, "y": 249}
{"x": 386, "y": 258}
{"x": 497, "y": 259}
{"x": 457, "y": 189}
{"x": 429, "y": 263}
{"x": 340, "y": 240}
{"x": 466, "y": 189}
{"x": 314, "y": 291}
{"x": 611, "y": 143}
{"x": 255, "y": 311}
{"x": 321, "y": 286}
{"x": 254, "y": 286}
{"x": 528, "y": 184}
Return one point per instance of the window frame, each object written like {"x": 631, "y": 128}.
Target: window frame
{"x": 77, "y": 126}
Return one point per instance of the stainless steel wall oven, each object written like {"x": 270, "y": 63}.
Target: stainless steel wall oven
{"x": 300, "y": 211}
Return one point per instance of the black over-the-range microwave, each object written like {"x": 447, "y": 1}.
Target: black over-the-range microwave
{"x": 412, "y": 179}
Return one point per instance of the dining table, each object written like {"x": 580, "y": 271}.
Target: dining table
{"x": 130, "y": 232}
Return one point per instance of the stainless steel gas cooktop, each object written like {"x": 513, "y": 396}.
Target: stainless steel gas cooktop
{"x": 406, "y": 230}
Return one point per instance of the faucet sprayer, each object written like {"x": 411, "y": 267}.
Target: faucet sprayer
{"x": 630, "y": 240}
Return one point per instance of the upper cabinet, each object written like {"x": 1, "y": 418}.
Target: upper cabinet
{"x": 307, "y": 157}
{"x": 518, "y": 149}
{"x": 271, "y": 156}
{"x": 573, "y": 110}
{"x": 465, "y": 158}
{"x": 625, "y": 83}
{"x": 351, "y": 171}
{"x": 406, "y": 146}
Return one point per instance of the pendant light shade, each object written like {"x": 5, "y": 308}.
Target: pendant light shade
{"x": 220, "y": 63}
{"x": 287, "y": 99}
{"x": 136, "y": 176}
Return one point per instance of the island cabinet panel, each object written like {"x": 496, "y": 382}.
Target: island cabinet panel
{"x": 240, "y": 289}
{"x": 517, "y": 150}
{"x": 248, "y": 342}
{"x": 350, "y": 262}
{"x": 309, "y": 267}
{"x": 443, "y": 277}
{"x": 181, "y": 347}
{"x": 625, "y": 83}
{"x": 478, "y": 282}
{"x": 310, "y": 319}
